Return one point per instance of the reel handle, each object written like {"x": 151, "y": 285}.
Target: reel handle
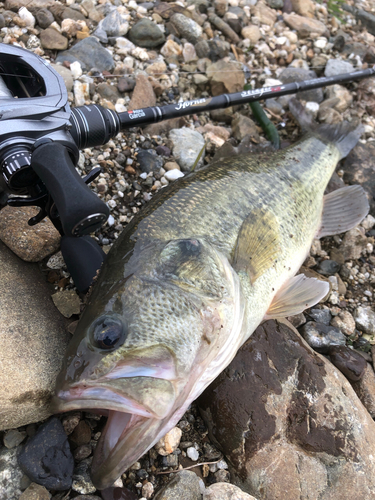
{"x": 80, "y": 210}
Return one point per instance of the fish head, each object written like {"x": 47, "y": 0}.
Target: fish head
{"x": 148, "y": 344}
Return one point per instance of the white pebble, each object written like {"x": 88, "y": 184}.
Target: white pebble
{"x": 192, "y": 453}
{"x": 164, "y": 181}
{"x": 27, "y": 17}
{"x": 312, "y": 108}
{"x": 173, "y": 174}
{"x": 111, "y": 220}
{"x": 320, "y": 43}
{"x": 143, "y": 175}
{"x": 76, "y": 69}
{"x": 112, "y": 203}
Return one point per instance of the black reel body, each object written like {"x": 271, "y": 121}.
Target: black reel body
{"x": 38, "y": 153}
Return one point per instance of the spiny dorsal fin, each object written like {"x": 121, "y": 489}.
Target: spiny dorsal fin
{"x": 343, "y": 209}
{"x": 298, "y": 294}
{"x": 257, "y": 245}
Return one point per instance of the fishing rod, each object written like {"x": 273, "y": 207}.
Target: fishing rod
{"x": 40, "y": 139}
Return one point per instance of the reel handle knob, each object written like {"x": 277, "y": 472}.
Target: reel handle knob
{"x": 81, "y": 211}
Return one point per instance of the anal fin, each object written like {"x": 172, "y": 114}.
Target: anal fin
{"x": 258, "y": 244}
{"x": 343, "y": 209}
{"x": 298, "y": 294}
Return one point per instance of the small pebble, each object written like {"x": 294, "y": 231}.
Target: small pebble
{"x": 192, "y": 453}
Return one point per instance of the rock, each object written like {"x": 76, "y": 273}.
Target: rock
{"x": 358, "y": 169}
{"x": 264, "y": 13}
{"x": 46, "y": 457}
{"x": 328, "y": 267}
{"x": 33, "y": 342}
{"x": 187, "y": 144}
{"x": 112, "y": 25}
{"x": 321, "y": 337}
{"x": 348, "y": 361}
{"x": 225, "y": 77}
{"x": 170, "y": 49}
{"x": 166, "y": 126}
{"x": 66, "y": 74}
{"x": 81, "y": 452}
{"x": 184, "y": 486}
{"x": 35, "y": 492}
{"x": 304, "y": 8}
{"x": 192, "y": 453}
{"x": 367, "y": 19}
{"x": 353, "y": 244}
{"x": 221, "y": 6}
{"x": 187, "y": 28}
{"x": 243, "y": 126}
{"x": 189, "y": 53}
{"x": 90, "y": 53}
{"x": 81, "y": 478}
{"x": 225, "y": 491}
{"x": 146, "y": 34}
{"x": 345, "y": 322}
{"x": 149, "y": 161}
{"x": 171, "y": 165}
{"x": 143, "y": 94}
{"x": 252, "y": 33}
{"x": 368, "y": 222}
{"x": 345, "y": 97}
{"x": 329, "y": 116}
{"x": 320, "y": 315}
{"x": 15, "y": 5}
{"x": 173, "y": 175}
{"x": 81, "y": 434}
{"x": 336, "y": 67}
{"x": 125, "y": 84}
{"x": 170, "y": 460}
{"x": 147, "y": 490}
{"x": 365, "y": 389}
{"x": 365, "y": 320}
{"x": 27, "y": 17}
{"x": 305, "y": 26}
{"x": 112, "y": 494}
{"x": 67, "y": 302}
{"x": 169, "y": 443}
{"x": 13, "y": 438}
{"x": 2, "y": 21}
{"x": 280, "y": 399}
{"x": 165, "y": 151}
{"x": 10, "y": 474}
{"x": 53, "y": 40}
{"x": 289, "y": 75}
{"x": 275, "y": 4}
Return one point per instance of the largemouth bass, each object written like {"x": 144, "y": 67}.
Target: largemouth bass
{"x": 188, "y": 281}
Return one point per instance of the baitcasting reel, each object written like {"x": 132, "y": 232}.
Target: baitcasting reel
{"x": 40, "y": 138}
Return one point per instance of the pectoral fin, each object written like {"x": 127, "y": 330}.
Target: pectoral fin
{"x": 343, "y": 210}
{"x": 257, "y": 245}
{"x": 296, "y": 295}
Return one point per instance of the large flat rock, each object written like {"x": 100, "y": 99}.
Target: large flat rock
{"x": 289, "y": 422}
{"x": 33, "y": 341}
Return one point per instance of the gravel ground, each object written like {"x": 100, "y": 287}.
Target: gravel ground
{"x": 137, "y": 163}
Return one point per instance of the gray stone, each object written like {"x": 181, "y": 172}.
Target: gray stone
{"x": 90, "y": 53}
{"x": 109, "y": 92}
{"x": 305, "y": 26}
{"x": 289, "y": 75}
{"x": 328, "y": 267}
{"x": 321, "y": 337}
{"x": 289, "y": 422}
{"x": 33, "y": 342}
{"x": 187, "y": 28}
{"x": 10, "y": 475}
{"x": 149, "y": 161}
{"x": 44, "y": 18}
{"x": 112, "y": 25}
{"x": 184, "y": 486}
{"x": 225, "y": 491}
{"x": 146, "y": 34}
{"x": 81, "y": 478}
{"x": 365, "y": 320}
{"x": 337, "y": 67}
{"x": 243, "y": 126}
{"x": 66, "y": 74}
{"x": 13, "y": 438}
{"x": 275, "y": 4}
{"x": 320, "y": 315}
{"x": 187, "y": 144}
{"x": 67, "y": 302}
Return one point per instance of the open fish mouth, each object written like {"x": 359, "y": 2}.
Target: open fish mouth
{"x": 134, "y": 424}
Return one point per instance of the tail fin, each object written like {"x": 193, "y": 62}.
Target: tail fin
{"x": 344, "y": 135}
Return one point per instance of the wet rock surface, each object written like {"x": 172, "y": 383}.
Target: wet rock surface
{"x": 295, "y": 405}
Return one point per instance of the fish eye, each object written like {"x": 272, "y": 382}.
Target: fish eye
{"x": 190, "y": 247}
{"x": 108, "y": 333}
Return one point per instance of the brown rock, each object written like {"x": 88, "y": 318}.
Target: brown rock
{"x": 30, "y": 243}
{"x": 143, "y": 94}
{"x": 35, "y": 492}
{"x": 252, "y": 33}
{"x": 225, "y": 491}
{"x": 15, "y": 5}
{"x": 365, "y": 389}
{"x": 243, "y": 126}
{"x": 345, "y": 321}
{"x": 286, "y": 419}
{"x": 81, "y": 434}
{"x": 303, "y": 7}
{"x": 165, "y": 127}
{"x": 304, "y": 25}
{"x": 264, "y": 13}
{"x": 53, "y": 40}
{"x": 171, "y": 165}
{"x": 67, "y": 302}
{"x": 225, "y": 77}
{"x": 33, "y": 342}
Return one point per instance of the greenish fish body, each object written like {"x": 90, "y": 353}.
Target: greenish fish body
{"x": 189, "y": 280}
